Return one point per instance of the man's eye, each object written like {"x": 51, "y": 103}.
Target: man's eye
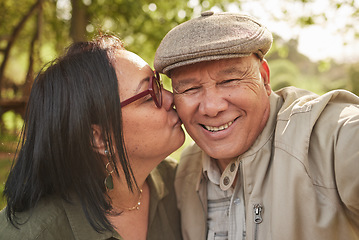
{"x": 230, "y": 81}
{"x": 186, "y": 90}
{"x": 190, "y": 90}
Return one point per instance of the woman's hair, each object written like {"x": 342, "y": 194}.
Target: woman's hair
{"x": 56, "y": 155}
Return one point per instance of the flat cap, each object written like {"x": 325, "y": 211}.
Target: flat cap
{"x": 212, "y": 37}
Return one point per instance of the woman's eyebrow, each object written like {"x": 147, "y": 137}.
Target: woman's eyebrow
{"x": 146, "y": 79}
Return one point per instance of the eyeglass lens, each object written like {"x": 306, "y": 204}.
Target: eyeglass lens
{"x": 157, "y": 88}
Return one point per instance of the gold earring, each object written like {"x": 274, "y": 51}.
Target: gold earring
{"x": 109, "y": 180}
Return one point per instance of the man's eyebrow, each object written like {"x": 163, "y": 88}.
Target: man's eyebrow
{"x": 232, "y": 70}
{"x": 185, "y": 81}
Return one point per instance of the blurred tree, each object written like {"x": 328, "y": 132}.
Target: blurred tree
{"x": 36, "y": 31}
{"x": 283, "y": 73}
{"x": 47, "y": 26}
{"x": 33, "y": 32}
{"x": 14, "y": 34}
{"x": 79, "y": 21}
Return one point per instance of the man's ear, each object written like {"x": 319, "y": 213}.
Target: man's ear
{"x": 265, "y": 73}
{"x": 98, "y": 143}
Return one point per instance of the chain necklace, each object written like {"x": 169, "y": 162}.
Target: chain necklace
{"x": 137, "y": 207}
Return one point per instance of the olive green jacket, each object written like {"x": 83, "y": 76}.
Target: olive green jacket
{"x": 55, "y": 218}
{"x": 300, "y": 178}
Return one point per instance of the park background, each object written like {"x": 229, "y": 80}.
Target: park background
{"x": 316, "y": 43}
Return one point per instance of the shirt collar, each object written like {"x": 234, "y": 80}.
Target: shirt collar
{"x": 211, "y": 170}
{"x": 82, "y": 229}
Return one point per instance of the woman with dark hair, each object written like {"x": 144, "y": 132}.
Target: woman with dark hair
{"x": 91, "y": 162}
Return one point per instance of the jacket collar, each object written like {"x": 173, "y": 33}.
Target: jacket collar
{"x": 81, "y": 228}
{"x": 158, "y": 191}
{"x": 268, "y": 131}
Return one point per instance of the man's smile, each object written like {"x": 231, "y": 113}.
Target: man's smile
{"x": 219, "y": 128}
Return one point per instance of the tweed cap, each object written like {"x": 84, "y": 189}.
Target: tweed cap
{"x": 212, "y": 37}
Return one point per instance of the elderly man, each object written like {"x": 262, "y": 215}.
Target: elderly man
{"x": 265, "y": 165}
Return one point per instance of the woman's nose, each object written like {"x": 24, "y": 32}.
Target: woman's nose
{"x": 167, "y": 100}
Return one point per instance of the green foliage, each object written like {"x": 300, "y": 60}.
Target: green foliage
{"x": 324, "y": 66}
{"x": 12, "y": 122}
{"x": 141, "y": 24}
{"x": 354, "y": 78}
{"x": 306, "y": 20}
{"x": 5, "y": 164}
{"x": 283, "y": 73}
{"x": 8, "y": 145}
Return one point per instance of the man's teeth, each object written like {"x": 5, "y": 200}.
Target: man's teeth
{"x": 220, "y": 128}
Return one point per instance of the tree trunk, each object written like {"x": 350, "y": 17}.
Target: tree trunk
{"x": 78, "y": 21}
{"x": 12, "y": 39}
{"x": 30, "y": 73}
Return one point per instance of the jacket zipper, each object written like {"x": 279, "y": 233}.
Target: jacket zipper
{"x": 257, "y": 211}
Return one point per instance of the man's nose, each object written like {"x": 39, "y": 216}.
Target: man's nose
{"x": 212, "y": 102}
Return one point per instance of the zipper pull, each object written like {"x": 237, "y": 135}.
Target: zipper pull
{"x": 257, "y": 210}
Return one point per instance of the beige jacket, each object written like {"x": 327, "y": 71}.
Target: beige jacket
{"x": 300, "y": 178}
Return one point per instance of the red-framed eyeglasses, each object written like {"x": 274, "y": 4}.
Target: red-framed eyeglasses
{"x": 154, "y": 89}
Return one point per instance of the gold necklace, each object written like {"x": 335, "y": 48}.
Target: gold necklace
{"x": 137, "y": 207}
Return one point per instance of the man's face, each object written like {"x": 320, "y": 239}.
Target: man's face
{"x": 223, "y": 104}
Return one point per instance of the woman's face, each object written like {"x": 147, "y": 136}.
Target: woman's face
{"x": 149, "y": 132}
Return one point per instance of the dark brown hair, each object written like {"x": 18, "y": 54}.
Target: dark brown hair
{"x": 56, "y": 155}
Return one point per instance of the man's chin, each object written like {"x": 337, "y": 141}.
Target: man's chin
{"x": 220, "y": 153}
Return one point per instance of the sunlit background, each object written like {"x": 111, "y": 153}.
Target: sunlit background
{"x": 328, "y": 28}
